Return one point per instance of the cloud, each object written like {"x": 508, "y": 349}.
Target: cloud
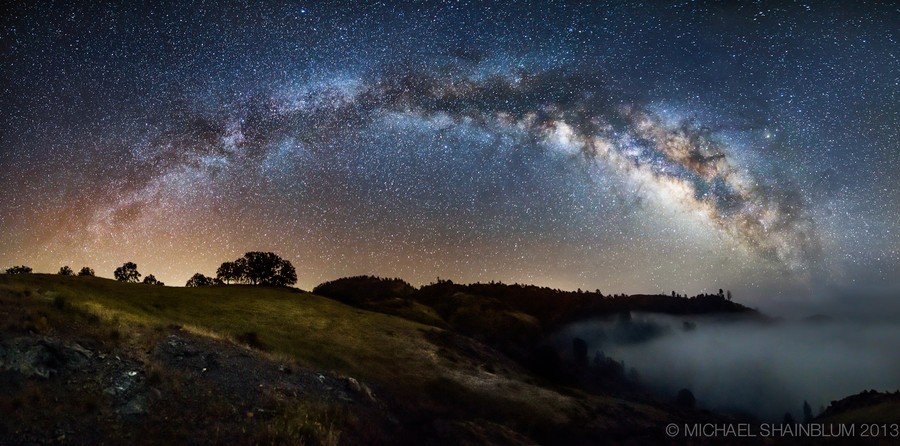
{"x": 752, "y": 368}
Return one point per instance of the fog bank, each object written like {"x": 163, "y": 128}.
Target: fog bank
{"x": 761, "y": 369}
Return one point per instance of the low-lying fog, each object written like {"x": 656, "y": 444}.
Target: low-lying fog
{"x": 747, "y": 367}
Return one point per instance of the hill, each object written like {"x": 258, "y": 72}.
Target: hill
{"x": 868, "y": 407}
{"x": 88, "y": 360}
{"x": 510, "y": 315}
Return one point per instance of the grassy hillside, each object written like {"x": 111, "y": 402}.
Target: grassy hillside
{"x": 313, "y": 329}
{"x": 435, "y": 381}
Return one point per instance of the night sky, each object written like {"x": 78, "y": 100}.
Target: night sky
{"x": 683, "y": 146}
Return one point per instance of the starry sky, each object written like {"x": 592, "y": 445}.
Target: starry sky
{"x": 621, "y": 146}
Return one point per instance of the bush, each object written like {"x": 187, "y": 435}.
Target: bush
{"x": 22, "y": 269}
{"x": 252, "y": 340}
{"x": 66, "y": 271}
{"x": 151, "y": 280}
{"x": 86, "y": 271}
{"x": 198, "y": 280}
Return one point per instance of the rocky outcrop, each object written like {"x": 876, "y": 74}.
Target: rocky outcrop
{"x": 41, "y": 357}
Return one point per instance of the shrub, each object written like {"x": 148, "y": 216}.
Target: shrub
{"x": 251, "y": 339}
{"x": 198, "y": 280}
{"x": 66, "y": 271}
{"x": 151, "y": 280}
{"x": 86, "y": 271}
{"x": 21, "y": 269}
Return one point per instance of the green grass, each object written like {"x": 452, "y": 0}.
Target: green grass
{"x": 311, "y": 329}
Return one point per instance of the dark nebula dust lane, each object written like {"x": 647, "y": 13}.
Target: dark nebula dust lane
{"x": 609, "y": 145}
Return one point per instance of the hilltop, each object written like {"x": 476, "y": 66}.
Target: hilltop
{"x": 870, "y": 407}
{"x": 88, "y": 360}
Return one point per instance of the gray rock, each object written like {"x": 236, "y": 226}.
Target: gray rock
{"x": 135, "y": 406}
{"x": 31, "y": 357}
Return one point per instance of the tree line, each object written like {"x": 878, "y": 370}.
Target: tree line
{"x": 254, "y": 268}
{"x": 63, "y": 271}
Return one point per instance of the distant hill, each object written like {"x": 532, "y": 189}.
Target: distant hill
{"x": 519, "y": 320}
{"x": 501, "y": 312}
{"x": 865, "y": 407}
{"x": 556, "y": 307}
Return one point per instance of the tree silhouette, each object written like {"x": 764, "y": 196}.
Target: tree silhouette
{"x": 198, "y": 280}
{"x": 807, "y": 412}
{"x": 267, "y": 268}
{"x": 21, "y": 269}
{"x": 685, "y": 398}
{"x": 127, "y": 273}
{"x": 66, "y": 271}
{"x": 232, "y": 272}
{"x": 258, "y": 268}
{"x": 86, "y": 271}
{"x": 151, "y": 280}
